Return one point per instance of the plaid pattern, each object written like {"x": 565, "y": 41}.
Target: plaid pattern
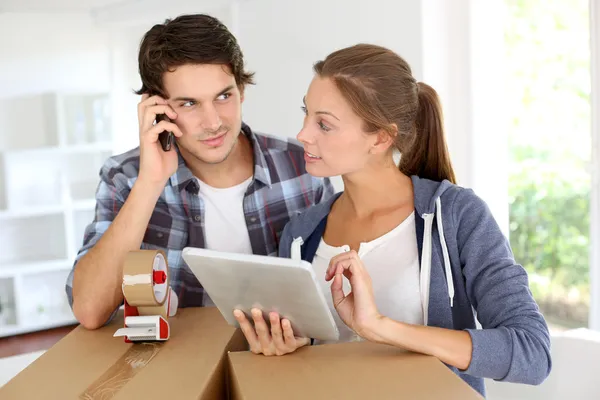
{"x": 280, "y": 188}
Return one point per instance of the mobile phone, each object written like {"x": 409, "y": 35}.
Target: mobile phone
{"x": 165, "y": 138}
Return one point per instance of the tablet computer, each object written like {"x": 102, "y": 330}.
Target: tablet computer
{"x": 245, "y": 281}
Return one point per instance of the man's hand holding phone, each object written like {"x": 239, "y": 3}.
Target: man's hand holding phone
{"x": 156, "y": 164}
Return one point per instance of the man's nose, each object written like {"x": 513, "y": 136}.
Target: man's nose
{"x": 210, "y": 118}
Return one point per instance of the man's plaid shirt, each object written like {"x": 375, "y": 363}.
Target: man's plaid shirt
{"x": 280, "y": 188}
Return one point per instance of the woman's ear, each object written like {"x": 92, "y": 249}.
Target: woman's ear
{"x": 384, "y": 140}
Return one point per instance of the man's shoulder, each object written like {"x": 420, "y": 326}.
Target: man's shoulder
{"x": 125, "y": 164}
{"x": 273, "y": 143}
{"x": 284, "y": 157}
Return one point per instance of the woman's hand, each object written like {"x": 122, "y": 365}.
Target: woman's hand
{"x": 357, "y": 309}
{"x": 278, "y": 341}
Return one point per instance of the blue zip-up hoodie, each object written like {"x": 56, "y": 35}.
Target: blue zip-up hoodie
{"x": 467, "y": 267}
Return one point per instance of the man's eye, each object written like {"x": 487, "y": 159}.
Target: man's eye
{"x": 224, "y": 96}
{"x": 188, "y": 103}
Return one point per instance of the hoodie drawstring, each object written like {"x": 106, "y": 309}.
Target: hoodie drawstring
{"x": 449, "y": 279}
{"x": 426, "y": 258}
{"x": 425, "y": 278}
{"x": 296, "y": 250}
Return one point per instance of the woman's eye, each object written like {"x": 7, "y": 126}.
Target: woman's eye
{"x": 324, "y": 127}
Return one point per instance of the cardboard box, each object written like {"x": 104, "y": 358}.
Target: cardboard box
{"x": 357, "y": 370}
{"x": 94, "y": 364}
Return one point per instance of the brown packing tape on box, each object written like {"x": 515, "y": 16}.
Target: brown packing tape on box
{"x": 138, "y": 282}
{"x": 122, "y": 371}
{"x": 142, "y": 291}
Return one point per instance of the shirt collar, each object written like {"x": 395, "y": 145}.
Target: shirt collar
{"x": 183, "y": 177}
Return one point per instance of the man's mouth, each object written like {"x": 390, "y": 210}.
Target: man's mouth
{"x": 214, "y": 140}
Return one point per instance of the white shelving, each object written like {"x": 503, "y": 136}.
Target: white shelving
{"x": 49, "y": 170}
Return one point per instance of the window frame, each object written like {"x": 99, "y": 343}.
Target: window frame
{"x": 594, "y": 316}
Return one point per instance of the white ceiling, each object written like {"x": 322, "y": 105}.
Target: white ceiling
{"x": 55, "y": 5}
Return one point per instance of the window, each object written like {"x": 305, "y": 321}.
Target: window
{"x": 548, "y": 100}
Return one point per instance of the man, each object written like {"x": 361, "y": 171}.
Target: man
{"x": 221, "y": 186}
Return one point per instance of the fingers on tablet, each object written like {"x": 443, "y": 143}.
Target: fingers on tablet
{"x": 248, "y": 331}
{"x": 277, "y": 335}
{"x": 288, "y": 333}
{"x": 275, "y": 325}
{"x": 264, "y": 336}
{"x": 278, "y": 340}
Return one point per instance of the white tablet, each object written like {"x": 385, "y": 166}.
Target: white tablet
{"x": 242, "y": 281}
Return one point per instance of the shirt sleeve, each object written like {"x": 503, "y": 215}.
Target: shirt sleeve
{"x": 111, "y": 193}
{"x": 514, "y": 344}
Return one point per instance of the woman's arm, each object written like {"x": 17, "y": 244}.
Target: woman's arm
{"x": 514, "y": 344}
{"x": 450, "y": 346}
{"x": 358, "y": 310}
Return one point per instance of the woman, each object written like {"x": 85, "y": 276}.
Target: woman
{"x": 407, "y": 255}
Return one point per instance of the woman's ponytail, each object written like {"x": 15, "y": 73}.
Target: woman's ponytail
{"x": 428, "y": 156}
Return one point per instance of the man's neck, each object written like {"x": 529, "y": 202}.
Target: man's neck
{"x": 238, "y": 166}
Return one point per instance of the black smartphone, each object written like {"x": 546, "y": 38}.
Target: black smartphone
{"x": 165, "y": 138}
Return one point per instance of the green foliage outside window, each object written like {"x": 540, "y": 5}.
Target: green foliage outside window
{"x": 548, "y": 101}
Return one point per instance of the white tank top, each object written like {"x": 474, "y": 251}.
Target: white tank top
{"x": 392, "y": 261}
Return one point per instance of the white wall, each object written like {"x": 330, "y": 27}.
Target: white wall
{"x": 45, "y": 53}
{"x": 282, "y": 40}
{"x": 124, "y": 44}
{"x": 462, "y": 59}
{"x": 50, "y": 52}
{"x": 446, "y": 54}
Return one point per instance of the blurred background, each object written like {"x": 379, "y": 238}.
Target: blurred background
{"x": 517, "y": 79}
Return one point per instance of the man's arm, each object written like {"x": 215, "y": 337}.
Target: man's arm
{"x": 98, "y": 274}
{"x": 95, "y": 284}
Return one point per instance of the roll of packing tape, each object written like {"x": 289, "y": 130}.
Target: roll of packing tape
{"x": 146, "y": 280}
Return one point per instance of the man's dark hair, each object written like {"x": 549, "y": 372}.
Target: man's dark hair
{"x": 188, "y": 39}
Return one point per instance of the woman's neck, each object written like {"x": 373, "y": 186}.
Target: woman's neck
{"x": 374, "y": 192}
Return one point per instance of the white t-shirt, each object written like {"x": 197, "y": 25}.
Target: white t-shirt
{"x": 225, "y": 226}
{"x": 392, "y": 261}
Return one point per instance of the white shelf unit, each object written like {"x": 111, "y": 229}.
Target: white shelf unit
{"x": 52, "y": 146}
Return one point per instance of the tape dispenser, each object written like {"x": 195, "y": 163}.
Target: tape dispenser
{"x": 149, "y": 300}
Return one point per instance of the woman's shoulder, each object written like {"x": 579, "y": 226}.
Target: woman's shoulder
{"x": 454, "y": 198}
{"x": 303, "y": 223}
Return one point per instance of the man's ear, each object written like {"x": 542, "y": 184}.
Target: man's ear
{"x": 242, "y": 97}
